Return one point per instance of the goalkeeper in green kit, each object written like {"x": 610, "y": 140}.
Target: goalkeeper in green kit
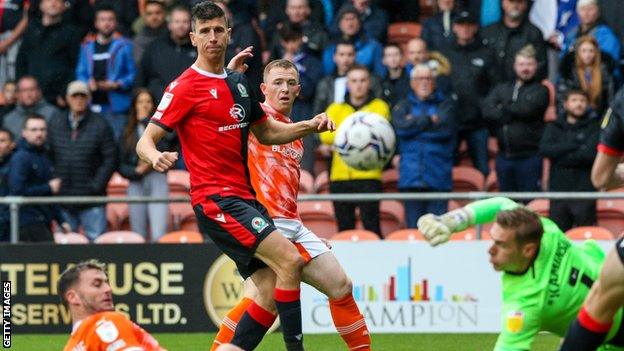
{"x": 545, "y": 276}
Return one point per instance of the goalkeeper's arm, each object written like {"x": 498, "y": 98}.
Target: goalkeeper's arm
{"x": 438, "y": 229}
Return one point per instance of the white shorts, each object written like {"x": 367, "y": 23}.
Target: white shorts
{"x": 308, "y": 244}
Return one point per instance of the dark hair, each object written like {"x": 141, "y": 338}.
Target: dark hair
{"x": 157, "y": 3}
{"x": 4, "y": 130}
{"x": 290, "y": 32}
{"x": 105, "y": 7}
{"x": 30, "y": 117}
{"x": 345, "y": 43}
{"x": 524, "y": 222}
{"x": 571, "y": 92}
{"x": 281, "y": 63}
{"x": 72, "y": 275}
{"x": 394, "y": 45}
{"x": 205, "y": 11}
{"x": 358, "y": 67}
{"x": 129, "y": 134}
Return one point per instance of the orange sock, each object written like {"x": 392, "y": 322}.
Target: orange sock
{"x": 350, "y": 323}
{"x": 228, "y": 325}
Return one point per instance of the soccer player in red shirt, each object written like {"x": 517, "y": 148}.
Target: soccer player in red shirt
{"x": 84, "y": 289}
{"x": 212, "y": 111}
{"x": 275, "y": 173}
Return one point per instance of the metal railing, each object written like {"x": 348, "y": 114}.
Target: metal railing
{"x": 15, "y": 202}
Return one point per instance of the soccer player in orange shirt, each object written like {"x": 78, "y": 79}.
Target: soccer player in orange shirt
{"x": 274, "y": 173}
{"x": 84, "y": 289}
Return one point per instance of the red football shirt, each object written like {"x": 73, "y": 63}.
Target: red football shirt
{"x": 211, "y": 114}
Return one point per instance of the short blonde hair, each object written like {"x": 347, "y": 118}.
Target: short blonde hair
{"x": 281, "y": 63}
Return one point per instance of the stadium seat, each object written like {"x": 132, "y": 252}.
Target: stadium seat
{"x": 492, "y": 147}
{"x": 181, "y": 237}
{"x": 584, "y": 233}
{"x": 355, "y": 235}
{"x": 402, "y": 32}
{"x": 466, "y": 235}
{"x": 405, "y": 235}
{"x": 491, "y": 182}
{"x": 306, "y": 182}
{"x": 391, "y": 217}
{"x": 390, "y": 180}
{"x": 318, "y": 216}
{"x": 70, "y": 238}
{"x": 182, "y": 216}
{"x": 118, "y": 216}
{"x": 321, "y": 183}
{"x": 467, "y": 179}
{"x": 551, "y": 111}
{"x": 117, "y": 185}
{"x": 179, "y": 182}
{"x": 120, "y": 237}
{"x": 610, "y": 213}
{"x": 540, "y": 206}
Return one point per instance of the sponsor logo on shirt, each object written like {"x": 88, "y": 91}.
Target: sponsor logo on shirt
{"x": 514, "y": 321}
{"x": 237, "y": 112}
{"x": 233, "y": 126}
{"x": 287, "y": 151}
{"x": 259, "y": 224}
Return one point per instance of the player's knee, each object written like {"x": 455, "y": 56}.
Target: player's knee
{"x": 343, "y": 286}
{"x": 291, "y": 267}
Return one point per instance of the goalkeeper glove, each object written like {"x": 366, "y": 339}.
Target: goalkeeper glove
{"x": 438, "y": 229}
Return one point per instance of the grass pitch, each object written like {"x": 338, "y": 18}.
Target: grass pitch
{"x": 322, "y": 342}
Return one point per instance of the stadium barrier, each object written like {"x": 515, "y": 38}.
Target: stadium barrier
{"x": 15, "y": 202}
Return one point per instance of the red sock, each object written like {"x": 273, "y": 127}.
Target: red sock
{"x": 350, "y": 323}
{"x": 228, "y": 325}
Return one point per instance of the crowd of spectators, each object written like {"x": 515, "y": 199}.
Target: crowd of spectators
{"x": 80, "y": 80}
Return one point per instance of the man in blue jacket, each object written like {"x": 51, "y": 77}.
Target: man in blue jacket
{"x": 106, "y": 63}
{"x": 425, "y": 125}
{"x": 31, "y": 174}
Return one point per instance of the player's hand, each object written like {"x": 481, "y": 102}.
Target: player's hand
{"x": 434, "y": 230}
{"x": 164, "y": 161}
{"x": 321, "y": 123}
{"x": 237, "y": 63}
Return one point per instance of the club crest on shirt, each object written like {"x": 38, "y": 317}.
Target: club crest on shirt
{"x": 242, "y": 90}
{"x": 107, "y": 331}
{"x": 514, "y": 321}
{"x": 237, "y": 112}
{"x": 259, "y": 224}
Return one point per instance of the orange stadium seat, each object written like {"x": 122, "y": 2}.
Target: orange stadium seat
{"x": 610, "y": 213}
{"x": 70, "y": 238}
{"x": 402, "y": 32}
{"x": 540, "y": 206}
{"x": 120, "y": 237}
{"x": 306, "y": 182}
{"x": 392, "y": 216}
{"x": 118, "y": 216}
{"x": 181, "y": 237}
{"x": 584, "y": 233}
{"x": 321, "y": 183}
{"x": 117, "y": 185}
{"x": 405, "y": 234}
{"x": 355, "y": 235}
{"x": 467, "y": 179}
{"x": 492, "y": 147}
{"x": 179, "y": 182}
{"x": 182, "y": 216}
{"x": 390, "y": 180}
{"x": 468, "y": 235}
{"x": 318, "y": 216}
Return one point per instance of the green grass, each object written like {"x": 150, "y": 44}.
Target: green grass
{"x": 322, "y": 342}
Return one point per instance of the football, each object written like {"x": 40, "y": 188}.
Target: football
{"x": 365, "y": 141}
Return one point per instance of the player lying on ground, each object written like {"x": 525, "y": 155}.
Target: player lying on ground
{"x": 274, "y": 172}
{"x": 84, "y": 289}
{"x": 213, "y": 111}
{"x": 606, "y": 297}
{"x": 545, "y": 276}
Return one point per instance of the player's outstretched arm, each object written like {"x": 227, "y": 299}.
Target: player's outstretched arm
{"x": 438, "y": 229}
{"x": 607, "y": 172}
{"x": 274, "y": 132}
{"x": 146, "y": 149}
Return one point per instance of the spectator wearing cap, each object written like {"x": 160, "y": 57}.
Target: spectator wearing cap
{"x": 472, "y": 77}
{"x": 437, "y": 29}
{"x": 13, "y": 23}
{"x": 513, "y": 32}
{"x": 84, "y": 154}
{"x": 107, "y": 65}
{"x": 515, "y": 111}
{"x": 368, "y": 51}
{"x": 29, "y": 101}
{"x": 373, "y": 19}
{"x": 32, "y": 174}
{"x": 49, "y": 51}
{"x": 154, "y": 27}
{"x": 7, "y": 145}
{"x": 166, "y": 58}
{"x": 590, "y": 24}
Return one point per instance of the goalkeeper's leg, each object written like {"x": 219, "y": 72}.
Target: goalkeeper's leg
{"x": 605, "y": 298}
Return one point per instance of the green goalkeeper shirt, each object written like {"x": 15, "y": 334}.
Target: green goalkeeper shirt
{"x": 549, "y": 295}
